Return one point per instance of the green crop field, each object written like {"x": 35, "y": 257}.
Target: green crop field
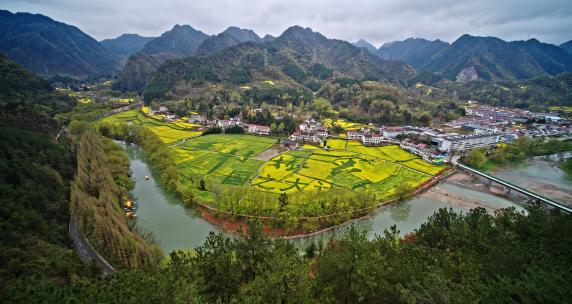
{"x": 168, "y": 132}
{"x": 349, "y": 165}
{"x": 227, "y": 165}
{"x": 222, "y": 158}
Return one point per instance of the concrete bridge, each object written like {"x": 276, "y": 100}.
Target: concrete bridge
{"x": 510, "y": 187}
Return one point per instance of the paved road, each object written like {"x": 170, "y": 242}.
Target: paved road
{"x": 85, "y": 251}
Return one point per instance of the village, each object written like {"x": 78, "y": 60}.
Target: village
{"x": 482, "y": 126}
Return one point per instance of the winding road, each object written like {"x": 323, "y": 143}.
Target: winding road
{"x": 85, "y": 251}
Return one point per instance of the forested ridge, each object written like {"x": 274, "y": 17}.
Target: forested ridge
{"x": 510, "y": 257}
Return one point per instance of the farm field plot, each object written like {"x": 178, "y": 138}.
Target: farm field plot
{"x": 222, "y": 158}
{"x": 379, "y": 170}
{"x": 235, "y": 160}
{"x": 167, "y": 132}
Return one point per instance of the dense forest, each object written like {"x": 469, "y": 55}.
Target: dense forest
{"x": 475, "y": 257}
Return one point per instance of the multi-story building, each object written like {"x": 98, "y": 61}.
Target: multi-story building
{"x": 392, "y": 132}
{"x": 354, "y": 135}
{"x": 371, "y": 139}
{"x": 462, "y": 143}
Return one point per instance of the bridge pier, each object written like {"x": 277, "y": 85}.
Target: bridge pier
{"x": 517, "y": 189}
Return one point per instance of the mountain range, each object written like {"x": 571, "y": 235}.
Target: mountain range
{"x": 126, "y": 44}
{"x": 490, "y": 58}
{"x": 48, "y": 47}
{"x": 414, "y": 51}
{"x": 299, "y": 56}
{"x": 567, "y": 46}
{"x": 362, "y": 43}
{"x": 181, "y": 41}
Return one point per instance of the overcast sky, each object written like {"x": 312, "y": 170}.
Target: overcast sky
{"x": 377, "y": 21}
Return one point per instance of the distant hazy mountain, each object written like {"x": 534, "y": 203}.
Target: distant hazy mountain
{"x": 299, "y": 55}
{"x": 230, "y": 37}
{"x": 48, "y": 47}
{"x": 341, "y": 56}
{"x": 472, "y": 58}
{"x": 242, "y": 35}
{"x": 126, "y": 44}
{"x": 567, "y": 46}
{"x": 215, "y": 43}
{"x": 180, "y": 41}
{"x": 364, "y": 44}
{"x": 268, "y": 38}
{"x": 414, "y": 51}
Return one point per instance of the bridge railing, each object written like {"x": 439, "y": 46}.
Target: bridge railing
{"x": 519, "y": 189}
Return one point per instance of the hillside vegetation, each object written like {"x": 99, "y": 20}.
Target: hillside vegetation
{"x": 473, "y": 257}
{"x": 48, "y": 47}
{"x": 100, "y": 187}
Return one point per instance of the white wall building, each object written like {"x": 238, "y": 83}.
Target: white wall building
{"x": 371, "y": 139}
{"x": 305, "y": 136}
{"x": 463, "y": 143}
{"x": 259, "y": 130}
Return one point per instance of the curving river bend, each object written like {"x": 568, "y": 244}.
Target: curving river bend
{"x": 176, "y": 227}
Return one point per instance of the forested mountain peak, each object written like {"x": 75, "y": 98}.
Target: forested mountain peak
{"x": 362, "y": 43}
{"x": 414, "y": 51}
{"x": 242, "y": 35}
{"x": 215, "y": 43}
{"x": 567, "y": 46}
{"x": 490, "y": 58}
{"x": 297, "y": 35}
{"x": 49, "y": 47}
{"x": 180, "y": 41}
{"x": 126, "y": 44}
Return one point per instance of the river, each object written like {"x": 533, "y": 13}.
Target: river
{"x": 176, "y": 227}
{"x": 541, "y": 175}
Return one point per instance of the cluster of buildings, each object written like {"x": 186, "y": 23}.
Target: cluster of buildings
{"x": 482, "y": 126}
{"x": 310, "y": 131}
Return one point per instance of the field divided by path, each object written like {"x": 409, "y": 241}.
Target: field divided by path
{"x": 234, "y": 160}
{"x": 347, "y": 164}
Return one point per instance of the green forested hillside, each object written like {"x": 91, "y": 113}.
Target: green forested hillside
{"x": 537, "y": 94}
{"x": 495, "y": 59}
{"x": 48, "y": 47}
{"x": 126, "y": 44}
{"x": 476, "y": 257}
{"x": 100, "y": 187}
{"x": 414, "y": 51}
{"x": 299, "y": 56}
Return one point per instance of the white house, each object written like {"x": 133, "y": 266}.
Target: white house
{"x": 371, "y": 139}
{"x": 354, "y": 135}
{"x": 310, "y": 125}
{"x": 392, "y": 132}
{"x": 229, "y": 123}
{"x": 305, "y": 136}
{"x": 195, "y": 118}
{"x": 259, "y": 130}
{"x": 321, "y": 131}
